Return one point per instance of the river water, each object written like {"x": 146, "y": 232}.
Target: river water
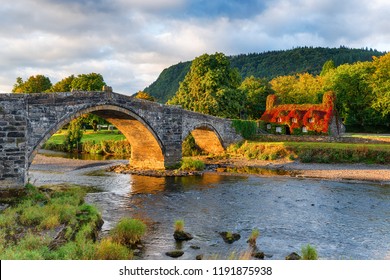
{"x": 341, "y": 220}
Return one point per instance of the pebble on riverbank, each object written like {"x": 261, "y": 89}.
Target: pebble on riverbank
{"x": 127, "y": 169}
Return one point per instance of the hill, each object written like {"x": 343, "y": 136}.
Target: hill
{"x": 265, "y": 65}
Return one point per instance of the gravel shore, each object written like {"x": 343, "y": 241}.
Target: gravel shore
{"x": 358, "y": 172}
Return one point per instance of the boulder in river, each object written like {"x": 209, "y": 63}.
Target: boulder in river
{"x": 182, "y": 235}
{"x": 229, "y": 237}
{"x": 175, "y": 253}
{"x": 293, "y": 257}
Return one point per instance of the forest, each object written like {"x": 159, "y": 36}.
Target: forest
{"x": 266, "y": 65}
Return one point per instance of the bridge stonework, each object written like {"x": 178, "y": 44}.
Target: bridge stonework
{"x": 155, "y": 131}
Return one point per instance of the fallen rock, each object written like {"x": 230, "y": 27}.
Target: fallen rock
{"x": 199, "y": 257}
{"x": 293, "y": 257}
{"x": 194, "y": 247}
{"x": 175, "y": 253}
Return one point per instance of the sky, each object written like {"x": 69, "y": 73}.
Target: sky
{"x": 131, "y": 41}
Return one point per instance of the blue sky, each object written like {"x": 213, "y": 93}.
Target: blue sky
{"x": 131, "y": 41}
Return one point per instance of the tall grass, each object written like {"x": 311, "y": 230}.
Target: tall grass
{"x": 189, "y": 164}
{"x": 309, "y": 253}
{"x": 128, "y": 231}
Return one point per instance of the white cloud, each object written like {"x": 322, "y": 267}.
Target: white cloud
{"x": 131, "y": 41}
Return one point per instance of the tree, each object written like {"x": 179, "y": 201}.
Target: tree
{"x": 255, "y": 91}
{"x": 298, "y": 89}
{"x": 145, "y": 96}
{"x": 65, "y": 85}
{"x": 88, "y": 82}
{"x": 381, "y": 84}
{"x": 73, "y": 135}
{"x": 354, "y": 94}
{"x": 328, "y": 66}
{"x": 211, "y": 87}
{"x": 34, "y": 84}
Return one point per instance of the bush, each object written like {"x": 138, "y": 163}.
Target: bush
{"x": 189, "y": 164}
{"x": 309, "y": 253}
{"x": 128, "y": 231}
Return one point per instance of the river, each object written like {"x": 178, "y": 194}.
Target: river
{"x": 341, "y": 220}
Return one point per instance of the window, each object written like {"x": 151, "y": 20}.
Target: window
{"x": 294, "y": 120}
{"x": 310, "y": 120}
{"x": 304, "y": 129}
{"x": 278, "y": 129}
{"x": 268, "y": 126}
{"x": 278, "y": 120}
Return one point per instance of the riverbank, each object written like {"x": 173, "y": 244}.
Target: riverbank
{"x": 359, "y": 172}
{"x": 337, "y": 172}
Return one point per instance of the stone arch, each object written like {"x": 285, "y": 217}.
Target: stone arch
{"x": 207, "y": 138}
{"x": 147, "y": 150}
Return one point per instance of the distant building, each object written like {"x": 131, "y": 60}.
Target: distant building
{"x": 302, "y": 119}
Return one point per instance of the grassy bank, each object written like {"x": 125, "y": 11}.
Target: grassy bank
{"x": 99, "y": 142}
{"x": 313, "y": 152}
{"x": 56, "y": 224}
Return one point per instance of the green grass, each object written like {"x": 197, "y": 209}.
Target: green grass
{"x": 128, "y": 231}
{"x": 309, "y": 253}
{"x": 89, "y": 135}
{"x": 179, "y": 225}
{"x": 189, "y": 164}
{"x": 318, "y": 152}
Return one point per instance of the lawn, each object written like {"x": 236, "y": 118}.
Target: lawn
{"x": 89, "y": 135}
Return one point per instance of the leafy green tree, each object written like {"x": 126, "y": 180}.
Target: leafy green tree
{"x": 255, "y": 91}
{"x": 211, "y": 87}
{"x": 88, "y": 82}
{"x": 34, "y": 84}
{"x": 354, "y": 94}
{"x": 381, "y": 84}
{"x": 328, "y": 66}
{"x": 298, "y": 89}
{"x": 74, "y": 135}
{"x": 65, "y": 85}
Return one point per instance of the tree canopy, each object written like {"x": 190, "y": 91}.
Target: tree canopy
{"x": 211, "y": 87}
{"x": 34, "y": 84}
{"x": 88, "y": 82}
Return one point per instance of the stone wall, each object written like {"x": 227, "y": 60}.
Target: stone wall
{"x": 12, "y": 140}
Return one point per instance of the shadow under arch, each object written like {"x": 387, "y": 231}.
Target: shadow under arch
{"x": 207, "y": 138}
{"x": 147, "y": 150}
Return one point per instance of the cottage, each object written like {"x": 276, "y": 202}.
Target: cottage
{"x": 301, "y": 119}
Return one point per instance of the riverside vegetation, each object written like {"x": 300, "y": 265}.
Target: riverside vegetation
{"x": 55, "y": 223}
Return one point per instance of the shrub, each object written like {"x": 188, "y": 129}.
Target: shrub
{"x": 189, "y": 164}
{"x": 109, "y": 250}
{"x": 128, "y": 231}
{"x": 309, "y": 253}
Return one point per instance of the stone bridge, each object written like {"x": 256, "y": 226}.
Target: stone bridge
{"x": 155, "y": 131}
